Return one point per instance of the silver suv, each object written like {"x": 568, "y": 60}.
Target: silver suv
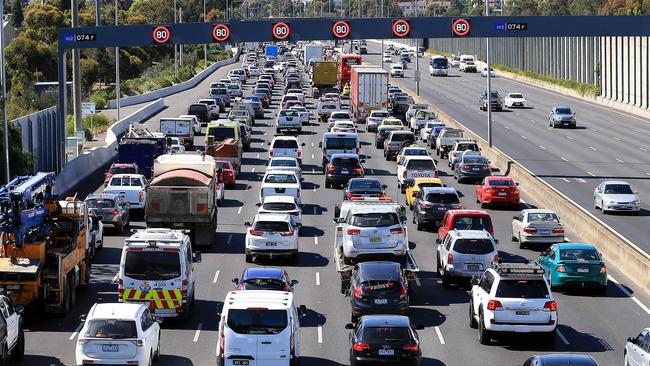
{"x": 562, "y": 116}
{"x": 465, "y": 253}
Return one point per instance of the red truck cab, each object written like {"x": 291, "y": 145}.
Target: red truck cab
{"x": 465, "y": 220}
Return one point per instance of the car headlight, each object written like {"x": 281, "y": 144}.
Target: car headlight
{"x": 636, "y": 202}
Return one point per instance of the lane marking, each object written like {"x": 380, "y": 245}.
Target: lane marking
{"x": 617, "y": 138}
{"x": 198, "y": 331}
{"x": 581, "y": 180}
{"x": 533, "y": 121}
{"x": 507, "y": 128}
{"x": 592, "y": 174}
{"x": 315, "y": 240}
{"x": 312, "y": 156}
{"x": 570, "y": 138}
{"x": 619, "y": 160}
{"x": 115, "y": 278}
{"x": 314, "y": 188}
{"x": 216, "y": 276}
{"x": 76, "y": 331}
{"x": 524, "y": 137}
{"x": 642, "y": 149}
{"x": 566, "y": 342}
{"x": 317, "y": 279}
{"x": 417, "y": 281}
{"x": 229, "y": 239}
{"x": 258, "y": 156}
{"x": 541, "y": 147}
{"x": 593, "y": 129}
{"x": 593, "y": 148}
{"x": 252, "y": 170}
{"x": 563, "y": 158}
{"x": 628, "y": 294}
{"x": 442, "y": 340}
{"x": 564, "y": 179}
{"x": 312, "y": 144}
{"x": 635, "y": 130}
{"x": 239, "y": 211}
{"x": 320, "y": 334}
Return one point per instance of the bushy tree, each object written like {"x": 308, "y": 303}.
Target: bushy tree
{"x": 521, "y": 7}
{"x": 17, "y": 16}
{"x": 42, "y": 21}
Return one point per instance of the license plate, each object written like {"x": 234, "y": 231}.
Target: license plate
{"x": 387, "y": 352}
{"x": 165, "y": 311}
{"x": 544, "y": 232}
{"x": 271, "y": 244}
{"x": 375, "y": 240}
{"x": 177, "y": 224}
{"x": 110, "y": 348}
{"x": 475, "y": 169}
{"x": 344, "y": 171}
{"x": 502, "y": 194}
{"x": 522, "y": 312}
{"x": 473, "y": 267}
{"x": 583, "y": 270}
{"x": 381, "y": 301}
{"x": 12, "y": 286}
{"x": 442, "y": 208}
{"x": 240, "y": 362}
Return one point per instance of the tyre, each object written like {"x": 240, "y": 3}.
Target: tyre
{"x": 19, "y": 350}
{"x": 418, "y": 224}
{"x": 522, "y": 245}
{"x": 483, "y": 334}
{"x": 249, "y": 258}
{"x": 347, "y": 260}
{"x": 295, "y": 361}
{"x": 446, "y": 281}
{"x": 625, "y": 362}
{"x": 472, "y": 321}
{"x": 4, "y": 356}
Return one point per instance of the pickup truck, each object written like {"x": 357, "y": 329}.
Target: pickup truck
{"x": 415, "y": 166}
{"x": 413, "y": 109}
{"x": 288, "y": 119}
{"x": 496, "y": 101}
{"x": 446, "y": 140}
{"x": 131, "y": 187}
{"x": 420, "y": 119}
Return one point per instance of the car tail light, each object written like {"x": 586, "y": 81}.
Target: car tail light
{"x": 271, "y": 152}
{"x": 529, "y": 230}
{"x": 120, "y": 289}
{"x": 358, "y": 170}
{"x": 425, "y": 204}
{"x": 486, "y": 189}
{"x": 335, "y": 129}
{"x": 550, "y": 306}
{"x": 450, "y": 258}
{"x": 603, "y": 269}
{"x": 402, "y": 293}
{"x": 331, "y": 170}
{"x": 139, "y": 342}
{"x": 114, "y": 212}
{"x": 348, "y": 195}
{"x": 255, "y": 232}
{"x": 359, "y": 346}
{"x": 561, "y": 269}
{"x": 357, "y": 291}
{"x": 496, "y": 258}
{"x": 464, "y": 166}
{"x": 288, "y": 233}
{"x": 222, "y": 337}
{"x": 558, "y": 230}
{"x": 299, "y": 153}
{"x": 380, "y": 137}
{"x": 404, "y": 174}
{"x": 140, "y": 196}
{"x": 294, "y": 213}
{"x": 184, "y": 289}
{"x": 494, "y": 305}
{"x": 354, "y": 231}
{"x": 396, "y": 230}
{"x": 412, "y": 347}
{"x": 339, "y": 228}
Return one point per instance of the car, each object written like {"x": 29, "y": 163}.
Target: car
{"x": 421, "y": 118}
{"x": 459, "y": 147}
{"x": 382, "y": 134}
{"x": 537, "y": 226}
{"x": 343, "y": 126}
{"x": 285, "y": 146}
{"x": 325, "y": 108}
{"x": 196, "y": 125}
{"x": 413, "y": 185}
{"x": 637, "y": 349}
{"x": 118, "y": 333}
{"x": 561, "y": 116}
{"x": 572, "y": 359}
{"x": 387, "y": 58}
{"x": 513, "y": 100}
{"x": 484, "y": 72}
{"x": 201, "y": 111}
{"x": 226, "y": 173}
{"x": 391, "y": 122}
{"x": 213, "y": 107}
{"x": 431, "y": 203}
{"x": 271, "y": 235}
{"x": 413, "y": 109}
{"x": 433, "y": 134}
{"x": 288, "y": 120}
{"x": 242, "y": 115}
{"x": 112, "y": 209}
{"x": 392, "y": 89}
{"x": 472, "y": 167}
{"x": 496, "y": 101}
{"x": 378, "y": 287}
{"x": 574, "y": 265}
{"x": 131, "y": 187}
{"x": 375, "y": 118}
{"x": 463, "y": 254}
{"x": 338, "y": 115}
{"x": 219, "y": 92}
{"x": 341, "y": 168}
{"x": 455, "y": 61}
{"x": 618, "y": 196}
{"x": 121, "y": 168}
{"x": 497, "y": 189}
{"x": 282, "y": 183}
{"x": 303, "y": 112}
{"x": 412, "y": 150}
{"x": 282, "y": 204}
{"x": 513, "y": 298}
{"x": 396, "y": 70}
{"x": 465, "y": 220}
{"x": 396, "y": 141}
{"x": 268, "y": 278}
{"x": 467, "y": 63}
{"x": 400, "y": 103}
{"x": 415, "y": 166}
{"x": 363, "y": 187}
{"x": 285, "y": 163}
{"x": 368, "y": 341}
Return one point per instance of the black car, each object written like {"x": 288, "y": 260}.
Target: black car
{"x": 431, "y": 203}
{"x": 471, "y": 167}
{"x": 363, "y": 187}
{"x": 264, "y": 99}
{"x": 341, "y": 168}
{"x": 378, "y": 288}
{"x": 201, "y": 111}
{"x": 381, "y": 136}
{"x": 384, "y": 339}
{"x": 257, "y": 278}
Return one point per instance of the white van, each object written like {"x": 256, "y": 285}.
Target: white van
{"x": 339, "y": 143}
{"x": 259, "y": 328}
{"x": 438, "y": 65}
{"x": 467, "y": 63}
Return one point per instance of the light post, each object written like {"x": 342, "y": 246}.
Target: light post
{"x": 117, "y": 69}
{"x": 3, "y": 80}
{"x": 175, "y": 46}
{"x": 205, "y": 45}
{"x": 489, "y": 91}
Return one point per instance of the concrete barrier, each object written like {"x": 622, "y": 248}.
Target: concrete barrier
{"x": 118, "y": 128}
{"x": 617, "y": 250}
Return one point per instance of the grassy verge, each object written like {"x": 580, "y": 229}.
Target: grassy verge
{"x": 93, "y": 125}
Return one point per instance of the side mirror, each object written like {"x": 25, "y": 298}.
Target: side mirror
{"x": 349, "y": 326}
{"x": 383, "y": 186}
{"x": 419, "y": 327}
{"x": 196, "y": 257}
{"x": 268, "y": 143}
{"x": 235, "y": 281}
{"x": 258, "y": 204}
{"x": 247, "y": 223}
{"x": 82, "y": 317}
{"x": 474, "y": 281}
{"x": 517, "y": 183}
{"x": 20, "y": 309}
{"x": 338, "y": 220}
{"x": 337, "y": 211}
{"x": 303, "y": 144}
{"x": 631, "y": 340}
{"x": 158, "y": 320}
{"x": 293, "y": 282}
{"x": 302, "y": 310}
{"x": 515, "y": 217}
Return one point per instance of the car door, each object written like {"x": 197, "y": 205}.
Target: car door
{"x": 482, "y": 290}
{"x": 12, "y": 319}
{"x": 546, "y": 260}
{"x": 149, "y": 331}
{"x": 518, "y": 224}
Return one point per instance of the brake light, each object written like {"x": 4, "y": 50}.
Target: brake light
{"x": 358, "y": 170}
{"x": 222, "y": 337}
{"x": 603, "y": 269}
{"x": 359, "y": 346}
{"x": 558, "y": 230}
{"x": 425, "y": 204}
{"x": 402, "y": 293}
{"x": 294, "y": 213}
{"x": 271, "y": 152}
{"x": 120, "y": 289}
{"x": 184, "y": 289}
{"x": 463, "y": 166}
{"x": 496, "y": 258}
{"x": 404, "y": 174}
{"x": 140, "y": 196}
{"x": 396, "y": 230}
{"x": 288, "y": 233}
{"x": 299, "y": 153}
{"x": 529, "y": 230}
{"x": 494, "y": 305}
{"x": 561, "y": 269}
{"x": 139, "y": 343}
{"x": 357, "y": 291}
{"x": 412, "y": 347}
{"x": 380, "y": 137}
{"x": 255, "y": 232}
{"x": 450, "y": 258}
{"x": 550, "y": 306}
{"x": 348, "y": 195}
{"x": 114, "y": 212}
{"x": 437, "y": 173}
{"x": 330, "y": 170}
{"x": 354, "y": 231}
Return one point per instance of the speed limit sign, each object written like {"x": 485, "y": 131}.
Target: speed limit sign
{"x": 221, "y": 32}
{"x": 161, "y": 34}
{"x": 401, "y": 28}
{"x": 341, "y": 29}
{"x": 460, "y": 27}
{"x": 281, "y": 30}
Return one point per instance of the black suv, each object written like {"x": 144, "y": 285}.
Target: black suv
{"x": 472, "y": 167}
{"x": 341, "y": 168}
{"x": 378, "y": 288}
{"x": 432, "y": 203}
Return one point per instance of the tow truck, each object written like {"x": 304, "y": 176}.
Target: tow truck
{"x": 44, "y": 254}
{"x": 409, "y": 266}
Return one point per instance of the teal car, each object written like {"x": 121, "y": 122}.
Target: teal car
{"x": 574, "y": 264}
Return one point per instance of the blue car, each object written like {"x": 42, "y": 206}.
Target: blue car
{"x": 256, "y": 278}
{"x": 574, "y": 264}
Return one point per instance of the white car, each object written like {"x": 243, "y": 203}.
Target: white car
{"x": 303, "y": 112}
{"x": 396, "y": 70}
{"x": 387, "y": 58}
{"x": 118, "y": 333}
{"x": 176, "y": 146}
{"x": 325, "y": 109}
{"x": 285, "y": 163}
{"x": 537, "y": 226}
{"x": 254, "y": 71}
{"x": 288, "y": 120}
{"x": 282, "y": 204}
{"x": 375, "y": 118}
{"x": 280, "y": 183}
{"x": 484, "y": 72}
{"x": 338, "y": 116}
{"x": 131, "y": 187}
{"x": 513, "y": 100}
{"x": 343, "y": 126}
{"x": 425, "y": 131}
{"x": 455, "y": 61}
{"x": 272, "y": 235}
{"x": 637, "y": 349}
{"x": 285, "y": 146}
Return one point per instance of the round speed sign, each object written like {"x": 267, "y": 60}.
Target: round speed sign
{"x": 281, "y": 30}
{"x": 221, "y": 32}
{"x": 161, "y": 34}
{"x": 401, "y": 28}
{"x": 341, "y": 29}
{"x": 460, "y": 27}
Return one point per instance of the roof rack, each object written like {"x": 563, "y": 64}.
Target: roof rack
{"x": 525, "y": 268}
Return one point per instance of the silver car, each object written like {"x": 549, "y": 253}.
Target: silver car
{"x": 111, "y": 207}
{"x": 537, "y": 226}
{"x": 616, "y": 196}
{"x": 465, "y": 253}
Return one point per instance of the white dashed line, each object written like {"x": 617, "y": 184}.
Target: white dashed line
{"x": 643, "y": 149}
{"x": 566, "y": 341}
{"x": 117, "y": 275}
{"x": 533, "y": 121}
{"x": 593, "y": 148}
{"x": 563, "y": 158}
{"x": 617, "y": 138}
{"x": 592, "y": 174}
{"x": 628, "y": 294}
{"x": 317, "y": 279}
{"x": 198, "y": 331}
{"x": 593, "y": 129}
{"x": 507, "y": 128}
{"x": 76, "y": 331}
{"x": 570, "y": 138}
{"x": 229, "y": 239}
{"x": 320, "y": 334}
{"x": 312, "y": 144}
{"x": 635, "y": 130}
{"x": 619, "y": 160}
{"x": 239, "y": 211}
{"x": 541, "y": 147}
{"x": 252, "y": 170}
{"x": 265, "y": 133}
{"x": 581, "y": 180}
{"x": 612, "y": 122}
{"x": 257, "y": 156}
{"x": 564, "y": 179}
{"x": 524, "y": 137}
{"x": 216, "y": 276}
{"x": 315, "y": 240}
{"x": 439, "y": 333}
{"x": 647, "y": 173}
{"x": 312, "y": 156}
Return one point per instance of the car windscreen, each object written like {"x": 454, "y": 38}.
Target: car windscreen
{"x": 272, "y": 226}
{"x": 345, "y": 162}
{"x": 472, "y": 223}
{"x": 516, "y": 96}
{"x": 495, "y": 95}
{"x": 439, "y": 63}
{"x": 402, "y": 137}
{"x": 111, "y": 329}
{"x": 284, "y": 162}
{"x": 522, "y": 289}
{"x": 285, "y": 144}
{"x": 257, "y": 321}
{"x": 543, "y": 217}
{"x": 100, "y": 203}
{"x": 264, "y": 284}
{"x": 279, "y": 206}
{"x": 402, "y": 99}
{"x": 420, "y": 165}
{"x": 289, "y": 113}
{"x": 416, "y": 152}
{"x": 341, "y": 143}
{"x": 219, "y": 91}
{"x": 453, "y": 133}
{"x": 374, "y": 219}
{"x": 221, "y": 134}
{"x": 280, "y": 178}
{"x": 442, "y": 198}
{"x": 152, "y": 265}
{"x": 618, "y": 189}
{"x": 478, "y": 160}
{"x": 579, "y": 255}
{"x": 473, "y": 246}
{"x": 386, "y": 334}
{"x": 501, "y": 183}
{"x": 563, "y": 111}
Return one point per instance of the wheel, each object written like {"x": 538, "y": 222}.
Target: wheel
{"x": 482, "y": 204}
{"x": 411, "y": 207}
{"x": 4, "y": 356}
{"x": 514, "y": 238}
{"x": 19, "y": 350}
{"x": 483, "y": 334}
{"x": 249, "y": 258}
{"x": 625, "y": 362}
{"x": 294, "y": 257}
{"x": 472, "y": 321}
{"x": 347, "y": 260}
{"x": 446, "y": 281}
{"x": 521, "y": 243}
{"x": 277, "y": 131}
{"x": 295, "y": 361}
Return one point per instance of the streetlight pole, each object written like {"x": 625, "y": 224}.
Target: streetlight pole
{"x": 417, "y": 60}
{"x": 175, "y": 46}
{"x": 205, "y": 45}
{"x": 489, "y": 90}
{"x": 381, "y": 14}
{"x": 3, "y": 80}
{"x": 117, "y": 69}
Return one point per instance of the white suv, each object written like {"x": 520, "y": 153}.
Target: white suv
{"x": 118, "y": 333}
{"x": 272, "y": 235}
{"x": 465, "y": 253}
{"x": 513, "y": 298}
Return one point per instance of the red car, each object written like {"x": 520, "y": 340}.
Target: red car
{"x": 465, "y": 220}
{"x": 227, "y": 173}
{"x": 120, "y": 168}
{"x": 497, "y": 190}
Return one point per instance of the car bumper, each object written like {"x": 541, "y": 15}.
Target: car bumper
{"x": 340, "y": 179}
{"x": 621, "y": 207}
{"x": 407, "y": 361}
{"x": 288, "y": 127}
{"x": 520, "y": 328}
{"x": 82, "y": 359}
{"x": 565, "y": 280}
{"x": 504, "y": 200}
{"x": 375, "y": 253}
{"x": 264, "y": 253}
{"x": 462, "y": 273}
{"x": 430, "y": 217}
{"x": 472, "y": 175}
{"x": 136, "y": 206}
{"x": 546, "y": 239}
{"x": 439, "y": 72}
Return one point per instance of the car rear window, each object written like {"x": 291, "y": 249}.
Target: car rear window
{"x": 365, "y": 184}
{"x": 126, "y": 182}
{"x": 473, "y": 246}
{"x": 420, "y": 165}
{"x": 284, "y": 162}
{"x": 380, "y": 114}
{"x": 385, "y": 334}
{"x": 442, "y": 198}
{"x": 100, "y": 203}
{"x": 345, "y": 162}
{"x": 152, "y": 265}
{"x": 221, "y": 133}
{"x": 280, "y": 178}
{"x": 279, "y": 206}
{"x": 416, "y": 152}
{"x": 257, "y": 321}
{"x": 402, "y": 137}
{"x": 472, "y": 223}
{"x": 501, "y": 183}
{"x": 289, "y": 113}
{"x": 378, "y": 219}
{"x": 272, "y": 226}
{"x": 285, "y": 144}
{"x": 475, "y": 160}
{"x": 524, "y": 289}
{"x": 264, "y": 284}
{"x": 463, "y": 147}
{"x": 542, "y": 217}
{"x": 341, "y": 143}
{"x": 579, "y": 255}
{"x": 112, "y": 329}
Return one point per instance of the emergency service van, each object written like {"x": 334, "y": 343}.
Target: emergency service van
{"x": 157, "y": 269}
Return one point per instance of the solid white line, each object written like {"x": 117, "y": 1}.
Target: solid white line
{"x": 315, "y": 240}
{"x": 229, "y": 239}
{"x": 564, "y": 179}
{"x": 320, "y": 334}
{"x": 593, "y": 148}
{"x": 239, "y": 211}
{"x": 115, "y": 278}
{"x": 628, "y": 294}
{"x": 442, "y": 340}
{"x": 317, "y": 279}
{"x": 563, "y": 158}
{"x": 592, "y": 174}
{"x": 566, "y": 341}
{"x": 198, "y": 331}
{"x": 581, "y": 180}
{"x": 619, "y": 160}
{"x": 216, "y": 276}
{"x": 524, "y": 137}
{"x": 541, "y": 147}
{"x": 642, "y": 149}
{"x": 76, "y": 331}
{"x": 417, "y": 281}
{"x": 570, "y": 138}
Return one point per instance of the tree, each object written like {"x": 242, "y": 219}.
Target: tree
{"x": 214, "y": 14}
{"x": 155, "y": 11}
{"x": 17, "y": 16}
{"x": 625, "y": 7}
{"x": 42, "y": 21}
{"x": 89, "y": 69}
{"x": 522, "y": 7}
{"x": 585, "y": 7}
{"x": 20, "y": 163}
{"x": 554, "y": 7}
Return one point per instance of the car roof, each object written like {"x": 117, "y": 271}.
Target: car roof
{"x": 471, "y": 234}
{"x": 279, "y": 198}
{"x": 380, "y": 270}
{"x": 257, "y": 272}
{"x": 285, "y": 138}
{"x": 270, "y": 216}
{"x": 566, "y": 360}
{"x": 466, "y": 212}
{"x": 339, "y": 134}
{"x": 576, "y": 246}
{"x": 616, "y": 182}
{"x": 385, "y": 320}
{"x": 268, "y": 299}
{"x": 115, "y": 311}
{"x": 128, "y": 175}
{"x": 354, "y": 180}
{"x": 426, "y": 190}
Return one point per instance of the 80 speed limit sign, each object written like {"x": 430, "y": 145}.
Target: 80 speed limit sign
{"x": 460, "y": 27}
{"x": 161, "y": 34}
{"x": 341, "y": 29}
{"x": 281, "y": 30}
{"x": 401, "y": 28}
{"x": 221, "y": 32}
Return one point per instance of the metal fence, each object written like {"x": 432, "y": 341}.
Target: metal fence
{"x": 40, "y": 137}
